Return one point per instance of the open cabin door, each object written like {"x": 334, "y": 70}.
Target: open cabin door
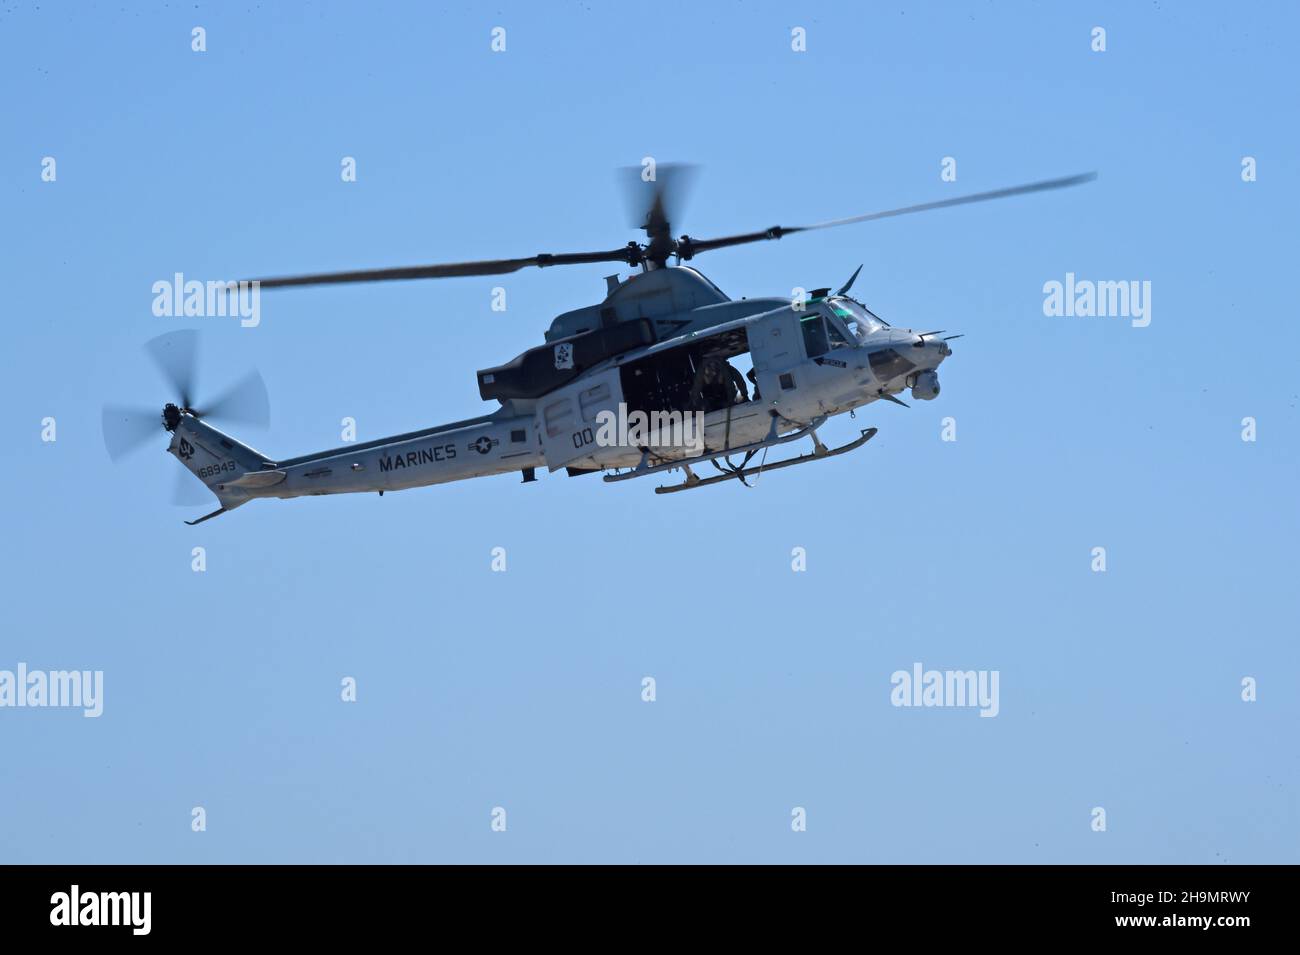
{"x": 566, "y": 418}
{"x": 775, "y": 349}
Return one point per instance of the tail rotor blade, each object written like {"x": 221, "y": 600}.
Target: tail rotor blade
{"x": 189, "y": 491}
{"x": 176, "y": 355}
{"x": 244, "y": 402}
{"x": 126, "y": 429}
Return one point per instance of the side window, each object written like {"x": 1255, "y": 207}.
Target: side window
{"x": 888, "y": 363}
{"x": 837, "y": 338}
{"x": 815, "y": 341}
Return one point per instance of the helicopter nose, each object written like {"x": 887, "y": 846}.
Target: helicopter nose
{"x": 931, "y": 347}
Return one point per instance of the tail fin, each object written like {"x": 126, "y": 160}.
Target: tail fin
{"x": 230, "y": 470}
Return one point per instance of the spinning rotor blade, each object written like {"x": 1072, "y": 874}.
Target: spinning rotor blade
{"x": 455, "y": 270}
{"x": 126, "y": 429}
{"x": 244, "y": 402}
{"x": 654, "y": 205}
{"x": 1041, "y": 186}
{"x": 690, "y": 247}
{"x": 176, "y": 355}
{"x": 187, "y": 492}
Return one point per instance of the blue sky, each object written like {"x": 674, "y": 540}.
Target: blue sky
{"x": 522, "y": 689}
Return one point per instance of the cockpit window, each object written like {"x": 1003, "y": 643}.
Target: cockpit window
{"x": 836, "y": 335}
{"x": 859, "y": 322}
{"x": 823, "y": 332}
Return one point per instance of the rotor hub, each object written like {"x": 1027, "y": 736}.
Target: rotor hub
{"x": 171, "y": 416}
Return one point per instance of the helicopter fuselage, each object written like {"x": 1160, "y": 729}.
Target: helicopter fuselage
{"x": 811, "y": 360}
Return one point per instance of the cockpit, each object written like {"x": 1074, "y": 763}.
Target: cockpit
{"x": 837, "y": 323}
{"x": 857, "y": 320}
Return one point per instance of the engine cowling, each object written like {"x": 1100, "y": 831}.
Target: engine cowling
{"x": 925, "y": 386}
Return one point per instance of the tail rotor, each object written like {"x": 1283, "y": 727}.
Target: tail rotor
{"x": 128, "y": 428}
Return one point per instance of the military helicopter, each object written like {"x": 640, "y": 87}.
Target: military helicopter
{"x": 639, "y": 384}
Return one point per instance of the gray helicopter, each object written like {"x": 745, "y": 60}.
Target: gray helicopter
{"x": 640, "y": 384}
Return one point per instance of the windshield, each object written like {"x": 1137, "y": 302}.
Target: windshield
{"x": 858, "y": 320}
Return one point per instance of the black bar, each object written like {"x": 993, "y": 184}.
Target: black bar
{"x": 979, "y": 904}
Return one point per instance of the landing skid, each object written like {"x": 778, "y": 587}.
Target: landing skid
{"x": 645, "y": 467}
{"x": 819, "y": 452}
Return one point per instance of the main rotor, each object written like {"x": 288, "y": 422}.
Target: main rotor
{"x": 653, "y": 200}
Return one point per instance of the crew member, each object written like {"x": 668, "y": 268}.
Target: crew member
{"x": 717, "y": 385}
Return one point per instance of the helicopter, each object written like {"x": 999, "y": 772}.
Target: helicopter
{"x": 636, "y": 385}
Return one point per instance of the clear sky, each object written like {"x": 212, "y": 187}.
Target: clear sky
{"x": 523, "y": 690}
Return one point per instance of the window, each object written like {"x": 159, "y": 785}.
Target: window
{"x": 860, "y": 322}
{"x": 888, "y": 363}
{"x": 836, "y": 336}
{"x": 815, "y": 341}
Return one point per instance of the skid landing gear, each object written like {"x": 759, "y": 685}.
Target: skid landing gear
{"x": 819, "y": 452}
